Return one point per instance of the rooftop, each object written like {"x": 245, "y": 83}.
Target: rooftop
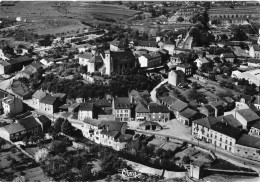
{"x": 248, "y": 114}
{"x": 249, "y": 141}
{"x": 29, "y": 123}
{"x": 14, "y": 128}
{"x": 188, "y": 113}
{"x": 155, "y": 108}
{"x": 85, "y": 56}
{"x": 48, "y": 100}
{"x": 147, "y": 43}
{"x": 39, "y": 94}
{"x": 122, "y": 103}
{"x": 179, "y": 105}
{"x": 226, "y": 129}
{"x": 86, "y": 107}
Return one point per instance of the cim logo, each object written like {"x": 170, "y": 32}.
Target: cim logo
{"x": 129, "y": 173}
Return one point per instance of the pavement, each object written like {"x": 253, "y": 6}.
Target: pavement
{"x": 153, "y": 92}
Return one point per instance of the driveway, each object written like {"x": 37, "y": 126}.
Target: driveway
{"x": 153, "y": 92}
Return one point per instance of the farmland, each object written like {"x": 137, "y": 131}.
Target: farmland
{"x": 57, "y": 17}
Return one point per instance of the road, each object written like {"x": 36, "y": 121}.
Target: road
{"x": 153, "y": 92}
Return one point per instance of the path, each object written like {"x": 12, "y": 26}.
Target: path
{"x": 153, "y": 92}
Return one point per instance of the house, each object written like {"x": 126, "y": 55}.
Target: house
{"x": 141, "y": 112}
{"x": 13, "y": 132}
{"x": 177, "y": 107}
{"x": 248, "y": 146}
{"x": 86, "y": 110}
{"x": 3, "y": 94}
{"x": 229, "y": 102}
{"x": 47, "y": 61}
{"x": 12, "y": 105}
{"x": 5, "y": 67}
{"x": 18, "y": 63}
{"x": 245, "y": 116}
{"x": 169, "y": 46}
{"x": 36, "y": 97}
{"x": 254, "y": 51}
{"x": 186, "y": 68}
{"x": 148, "y": 45}
{"x": 219, "y": 107}
{"x": 49, "y": 104}
{"x": 216, "y": 131}
{"x": 201, "y": 62}
{"x": 119, "y": 45}
{"x": 257, "y": 102}
{"x": 121, "y": 107}
{"x": 255, "y": 129}
{"x": 177, "y": 59}
{"x": 45, "y": 123}
{"x": 252, "y": 76}
{"x": 117, "y": 62}
{"x": 207, "y": 110}
{"x": 244, "y": 101}
{"x": 252, "y": 62}
{"x": 150, "y": 125}
{"x": 31, "y": 125}
{"x": 187, "y": 116}
{"x": 158, "y": 112}
{"x": 176, "y": 77}
{"x": 230, "y": 57}
{"x": 29, "y": 71}
{"x": 150, "y": 60}
{"x": 84, "y": 58}
{"x": 139, "y": 96}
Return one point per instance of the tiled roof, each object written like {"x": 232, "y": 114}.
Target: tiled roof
{"x": 19, "y": 59}
{"x": 147, "y": 43}
{"x": 150, "y": 123}
{"x": 226, "y": 129}
{"x": 179, "y": 105}
{"x": 185, "y": 65}
{"x": 93, "y": 122}
{"x": 3, "y": 94}
{"x": 209, "y": 108}
{"x": 124, "y": 138}
{"x": 113, "y": 125}
{"x": 86, "y": 107}
{"x": 14, "y": 128}
{"x": 155, "y": 108}
{"x": 206, "y": 122}
{"x": 110, "y": 133}
{"x": 152, "y": 55}
{"x": 39, "y": 94}
{"x": 85, "y": 56}
{"x": 44, "y": 119}
{"x": 122, "y": 103}
{"x": 248, "y": 114}
{"x": 228, "y": 55}
{"x": 203, "y": 60}
{"x": 141, "y": 108}
{"x": 188, "y": 113}
{"x": 256, "y": 125}
{"x": 96, "y": 59}
{"x": 249, "y": 141}
{"x": 231, "y": 120}
{"x": 168, "y": 99}
{"x": 169, "y": 42}
{"x": 48, "y": 100}
{"x": 217, "y": 104}
{"x": 37, "y": 66}
{"x": 29, "y": 123}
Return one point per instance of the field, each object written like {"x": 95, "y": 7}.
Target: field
{"x": 58, "y": 17}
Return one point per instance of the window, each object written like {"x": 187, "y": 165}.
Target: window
{"x": 126, "y": 110}
{"x": 219, "y": 144}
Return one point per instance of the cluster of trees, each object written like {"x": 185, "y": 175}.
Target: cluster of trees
{"x": 219, "y": 50}
{"x": 194, "y": 95}
{"x": 61, "y": 125}
{"x": 239, "y": 34}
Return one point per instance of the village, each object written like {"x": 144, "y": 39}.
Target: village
{"x": 173, "y": 94}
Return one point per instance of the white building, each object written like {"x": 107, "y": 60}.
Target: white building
{"x": 36, "y": 97}
{"x": 85, "y": 111}
{"x": 12, "y": 105}
{"x": 254, "y": 51}
{"x": 253, "y": 76}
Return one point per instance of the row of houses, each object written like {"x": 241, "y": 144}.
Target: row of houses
{"x": 25, "y": 128}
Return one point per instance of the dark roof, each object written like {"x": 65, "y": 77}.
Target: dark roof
{"x": 256, "y": 47}
{"x": 231, "y": 120}
{"x": 248, "y": 114}
{"x": 37, "y": 66}
{"x": 3, "y": 94}
{"x": 185, "y": 65}
{"x": 48, "y": 100}
{"x": 179, "y": 72}
{"x": 209, "y": 108}
{"x": 253, "y": 60}
{"x": 86, "y": 107}
{"x": 188, "y": 113}
{"x": 249, "y": 141}
{"x": 155, "y": 108}
{"x": 256, "y": 125}
{"x": 122, "y": 103}
{"x": 168, "y": 99}
{"x": 29, "y": 122}
{"x": 141, "y": 108}
{"x": 93, "y": 122}
{"x": 179, "y": 105}
{"x": 228, "y": 55}
{"x": 124, "y": 56}
{"x": 14, "y": 128}
{"x": 206, "y": 122}
{"x": 217, "y": 104}
{"x": 103, "y": 103}
{"x": 96, "y": 59}
{"x": 113, "y": 134}
{"x": 169, "y": 42}
{"x": 20, "y": 59}
{"x": 85, "y": 56}
{"x": 226, "y": 129}
{"x": 44, "y": 119}
{"x": 124, "y": 138}
{"x": 113, "y": 125}
{"x": 152, "y": 55}
{"x": 257, "y": 100}
{"x": 150, "y": 123}
{"x": 147, "y": 43}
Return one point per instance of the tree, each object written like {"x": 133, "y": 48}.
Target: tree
{"x": 239, "y": 34}
{"x": 66, "y": 127}
{"x": 186, "y": 159}
{"x": 57, "y": 124}
{"x": 58, "y": 146}
{"x": 180, "y": 19}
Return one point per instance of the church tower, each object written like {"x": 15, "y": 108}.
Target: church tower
{"x": 108, "y": 63}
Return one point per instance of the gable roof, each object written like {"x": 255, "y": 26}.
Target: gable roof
{"x": 124, "y": 56}
{"x": 206, "y": 122}
{"x": 113, "y": 134}
{"x": 168, "y": 99}
{"x": 85, "y": 56}
{"x": 96, "y": 59}
{"x": 48, "y": 100}
{"x": 86, "y": 107}
{"x": 188, "y": 113}
{"x": 147, "y": 43}
{"x": 256, "y": 125}
{"x": 208, "y": 107}
{"x": 230, "y": 120}
{"x": 39, "y": 94}
{"x": 203, "y": 60}
{"x": 228, "y": 55}
{"x": 44, "y": 119}
{"x": 249, "y": 141}
{"x": 185, "y": 65}
{"x": 141, "y": 108}
{"x": 93, "y": 122}
{"x": 113, "y": 125}
{"x": 179, "y": 105}
{"x": 29, "y": 123}
{"x": 124, "y": 138}
{"x": 14, "y": 128}
{"x": 156, "y": 108}
{"x": 248, "y": 114}
{"x": 226, "y": 129}
{"x": 122, "y": 103}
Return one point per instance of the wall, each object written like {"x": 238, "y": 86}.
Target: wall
{"x": 247, "y": 152}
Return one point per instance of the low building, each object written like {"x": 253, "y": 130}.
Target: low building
{"x": 159, "y": 113}
{"x": 255, "y": 129}
{"x": 141, "y": 112}
{"x": 148, "y": 45}
{"x": 5, "y": 67}
{"x": 248, "y": 147}
{"x": 230, "y": 57}
{"x": 29, "y": 70}
{"x": 84, "y": 58}
{"x": 202, "y": 62}
{"x": 149, "y": 125}
{"x": 253, "y": 76}
{"x": 36, "y": 97}
{"x": 187, "y": 116}
{"x": 219, "y": 107}
{"x": 150, "y": 60}
{"x": 121, "y": 107}
{"x": 252, "y": 62}
{"x": 177, "y": 107}
{"x": 12, "y": 105}
{"x": 13, "y": 132}
{"x": 86, "y": 110}
{"x": 176, "y": 77}
{"x": 45, "y": 123}
{"x": 49, "y": 104}
{"x": 207, "y": 110}
{"x": 186, "y": 68}
{"x": 31, "y": 125}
